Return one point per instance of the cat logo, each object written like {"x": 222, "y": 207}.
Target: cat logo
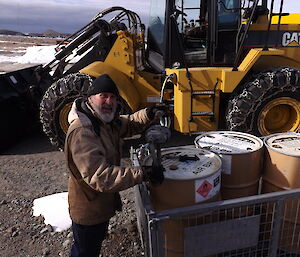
{"x": 291, "y": 39}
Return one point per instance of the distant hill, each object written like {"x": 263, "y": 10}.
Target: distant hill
{"x": 51, "y": 33}
{"x": 11, "y": 32}
{"x": 48, "y": 33}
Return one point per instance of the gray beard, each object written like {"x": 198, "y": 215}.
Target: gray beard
{"x": 105, "y": 116}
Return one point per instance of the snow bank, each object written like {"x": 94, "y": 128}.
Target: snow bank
{"x": 37, "y": 54}
{"x": 12, "y": 59}
{"x": 33, "y": 54}
{"x": 54, "y": 208}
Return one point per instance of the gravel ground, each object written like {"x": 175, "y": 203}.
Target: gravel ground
{"x": 32, "y": 169}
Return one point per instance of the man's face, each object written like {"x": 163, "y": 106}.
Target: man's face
{"x": 105, "y": 104}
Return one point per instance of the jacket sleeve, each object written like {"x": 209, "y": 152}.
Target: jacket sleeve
{"x": 89, "y": 157}
{"x": 134, "y": 123}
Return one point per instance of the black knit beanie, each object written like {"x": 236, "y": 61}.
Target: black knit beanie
{"x": 103, "y": 84}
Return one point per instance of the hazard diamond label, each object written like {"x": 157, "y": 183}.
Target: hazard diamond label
{"x": 204, "y": 188}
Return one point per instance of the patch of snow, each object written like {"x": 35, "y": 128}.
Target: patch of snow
{"x": 16, "y": 41}
{"x": 37, "y": 54}
{"x": 15, "y": 49}
{"x": 4, "y": 58}
{"x": 54, "y": 208}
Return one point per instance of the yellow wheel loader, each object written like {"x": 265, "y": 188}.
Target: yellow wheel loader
{"x": 217, "y": 64}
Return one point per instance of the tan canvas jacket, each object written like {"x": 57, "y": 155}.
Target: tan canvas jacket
{"x": 96, "y": 176}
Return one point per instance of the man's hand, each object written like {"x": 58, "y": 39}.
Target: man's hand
{"x": 157, "y": 134}
{"x": 156, "y": 111}
{"x": 154, "y": 174}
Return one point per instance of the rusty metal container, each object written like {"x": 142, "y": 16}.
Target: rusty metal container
{"x": 192, "y": 176}
{"x": 282, "y": 172}
{"x": 242, "y": 156}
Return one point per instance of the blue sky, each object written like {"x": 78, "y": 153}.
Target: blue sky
{"x": 70, "y": 15}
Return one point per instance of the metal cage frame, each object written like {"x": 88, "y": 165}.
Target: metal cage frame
{"x": 260, "y": 225}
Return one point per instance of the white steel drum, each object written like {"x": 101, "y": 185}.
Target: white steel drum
{"x": 282, "y": 172}
{"x": 242, "y": 156}
{"x": 192, "y": 176}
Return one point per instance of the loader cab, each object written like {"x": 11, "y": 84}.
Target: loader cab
{"x": 192, "y": 33}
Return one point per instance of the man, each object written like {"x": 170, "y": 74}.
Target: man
{"x": 93, "y": 153}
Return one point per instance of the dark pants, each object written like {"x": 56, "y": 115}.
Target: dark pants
{"x": 88, "y": 239}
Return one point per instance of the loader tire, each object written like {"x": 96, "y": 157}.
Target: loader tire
{"x": 268, "y": 104}
{"x": 56, "y": 104}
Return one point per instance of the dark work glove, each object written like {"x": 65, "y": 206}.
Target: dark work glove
{"x": 157, "y": 134}
{"x": 156, "y": 111}
{"x": 154, "y": 174}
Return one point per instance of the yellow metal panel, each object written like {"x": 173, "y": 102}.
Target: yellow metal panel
{"x": 134, "y": 86}
{"x": 144, "y": 83}
{"x": 293, "y": 53}
{"x": 202, "y": 79}
{"x": 121, "y": 56}
{"x": 127, "y": 91}
{"x": 231, "y": 79}
{"x": 205, "y": 78}
{"x": 282, "y": 27}
{"x": 153, "y": 79}
{"x": 182, "y": 111}
{"x": 292, "y": 18}
{"x": 254, "y": 55}
{"x": 264, "y": 62}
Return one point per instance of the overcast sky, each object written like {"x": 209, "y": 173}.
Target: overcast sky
{"x": 64, "y": 16}
{"x": 68, "y": 16}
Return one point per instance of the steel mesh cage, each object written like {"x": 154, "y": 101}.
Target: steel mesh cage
{"x": 260, "y": 225}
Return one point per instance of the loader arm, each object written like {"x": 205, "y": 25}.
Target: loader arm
{"x": 50, "y": 88}
{"x": 89, "y": 44}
